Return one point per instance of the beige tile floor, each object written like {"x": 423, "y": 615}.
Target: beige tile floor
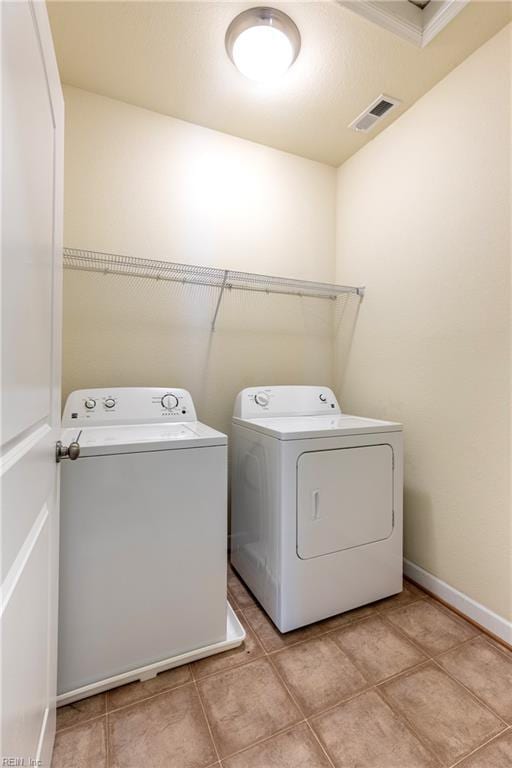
{"x": 402, "y": 683}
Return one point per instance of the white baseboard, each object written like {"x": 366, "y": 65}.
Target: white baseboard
{"x": 486, "y": 618}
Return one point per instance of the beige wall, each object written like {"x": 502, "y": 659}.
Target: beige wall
{"x": 423, "y": 218}
{"x": 142, "y": 184}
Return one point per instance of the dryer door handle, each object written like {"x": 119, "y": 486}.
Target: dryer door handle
{"x": 316, "y": 504}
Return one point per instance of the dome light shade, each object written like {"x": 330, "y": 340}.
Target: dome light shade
{"x": 262, "y": 43}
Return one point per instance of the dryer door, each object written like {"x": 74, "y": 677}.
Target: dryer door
{"x": 344, "y": 499}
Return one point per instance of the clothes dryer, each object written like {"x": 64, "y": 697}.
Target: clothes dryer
{"x": 316, "y": 504}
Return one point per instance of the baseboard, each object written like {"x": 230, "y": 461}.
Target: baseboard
{"x": 476, "y": 612}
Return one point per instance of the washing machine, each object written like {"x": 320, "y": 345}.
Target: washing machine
{"x": 316, "y": 504}
{"x": 143, "y": 539}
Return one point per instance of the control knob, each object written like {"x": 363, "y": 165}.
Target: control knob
{"x": 169, "y": 401}
{"x": 109, "y": 402}
{"x": 323, "y": 398}
{"x": 90, "y": 403}
{"x": 261, "y": 399}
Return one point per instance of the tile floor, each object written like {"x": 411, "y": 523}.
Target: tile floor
{"x": 402, "y": 683}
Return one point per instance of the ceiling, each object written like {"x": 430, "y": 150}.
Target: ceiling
{"x": 169, "y": 57}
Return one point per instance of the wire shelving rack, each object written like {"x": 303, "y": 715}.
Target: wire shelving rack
{"x": 191, "y": 274}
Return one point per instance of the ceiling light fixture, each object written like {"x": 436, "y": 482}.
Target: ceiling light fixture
{"x": 262, "y": 43}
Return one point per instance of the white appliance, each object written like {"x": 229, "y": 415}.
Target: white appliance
{"x": 143, "y": 539}
{"x": 316, "y": 504}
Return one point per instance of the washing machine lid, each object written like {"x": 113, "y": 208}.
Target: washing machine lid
{"x": 304, "y": 427}
{"x": 135, "y": 438}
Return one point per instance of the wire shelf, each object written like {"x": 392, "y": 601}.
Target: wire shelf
{"x": 190, "y": 274}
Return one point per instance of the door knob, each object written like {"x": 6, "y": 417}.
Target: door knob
{"x": 71, "y": 451}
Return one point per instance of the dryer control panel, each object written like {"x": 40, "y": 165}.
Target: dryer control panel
{"x": 128, "y": 405}
{"x": 261, "y": 402}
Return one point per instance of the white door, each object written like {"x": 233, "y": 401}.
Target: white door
{"x": 344, "y": 499}
{"x": 32, "y": 186}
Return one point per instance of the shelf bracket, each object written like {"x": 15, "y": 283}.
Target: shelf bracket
{"x": 226, "y": 272}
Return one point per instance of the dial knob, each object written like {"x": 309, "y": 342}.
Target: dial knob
{"x": 169, "y": 401}
{"x": 261, "y": 399}
{"x": 109, "y": 402}
{"x": 323, "y": 398}
{"x": 90, "y": 403}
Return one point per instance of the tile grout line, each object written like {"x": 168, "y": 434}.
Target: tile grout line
{"x": 481, "y": 746}
{"x": 414, "y": 646}
{"x": 147, "y": 698}
{"x": 411, "y": 669}
{"x": 471, "y": 693}
{"x": 210, "y": 731}
{"x": 391, "y": 607}
{"x": 485, "y": 637}
{"x": 456, "y": 647}
{"x": 374, "y": 612}
{"x": 503, "y": 649}
{"x": 236, "y": 665}
{"x": 339, "y": 703}
{"x": 285, "y": 685}
{"x": 398, "y": 714}
{"x": 370, "y": 687}
{"x": 283, "y": 682}
{"x": 317, "y": 739}
{"x": 425, "y": 651}
{"x": 436, "y": 656}
{"x": 306, "y": 717}
{"x": 443, "y": 608}
{"x": 263, "y": 740}
{"x": 365, "y": 690}
{"x": 307, "y": 639}
{"x": 473, "y": 639}
{"x": 107, "y": 740}
{"x": 80, "y": 722}
{"x": 411, "y": 640}
{"x": 484, "y": 631}
{"x": 379, "y": 687}
{"x": 413, "y": 728}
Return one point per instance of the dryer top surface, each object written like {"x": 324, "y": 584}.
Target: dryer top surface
{"x": 304, "y": 427}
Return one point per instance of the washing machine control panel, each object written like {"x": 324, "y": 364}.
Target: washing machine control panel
{"x": 128, "y": 405}
{"x": 260, "y": 402}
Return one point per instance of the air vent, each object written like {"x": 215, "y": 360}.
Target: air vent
{"x": 375, "y": 112}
